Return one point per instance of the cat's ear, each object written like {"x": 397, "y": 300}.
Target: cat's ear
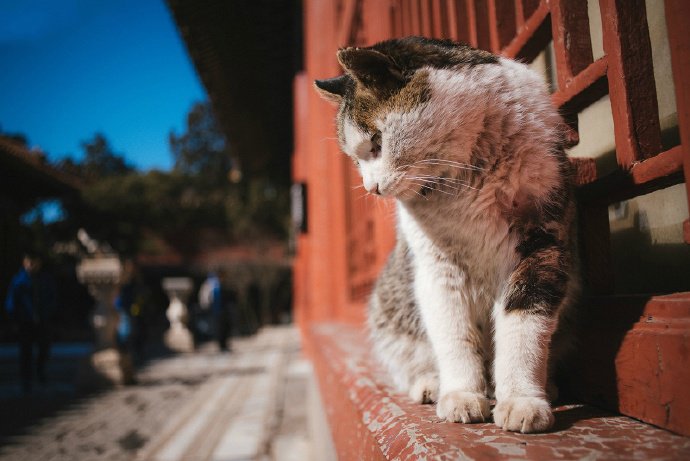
{"x": 373, "y": 69}
{"x": 332, "y": 89}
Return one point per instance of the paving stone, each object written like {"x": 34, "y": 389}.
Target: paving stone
{"x": 199, "y": 406}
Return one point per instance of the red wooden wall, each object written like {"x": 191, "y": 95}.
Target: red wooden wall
{"x": 349, "y": 235}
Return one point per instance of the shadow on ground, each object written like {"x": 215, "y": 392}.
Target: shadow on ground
{"x": 71, "y": 381}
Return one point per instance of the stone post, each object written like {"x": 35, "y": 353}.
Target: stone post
{"x": 178, "y": 337}
{"x": 101, "y": 274}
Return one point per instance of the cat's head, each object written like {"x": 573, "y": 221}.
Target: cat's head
{"x": 395, "y": 119}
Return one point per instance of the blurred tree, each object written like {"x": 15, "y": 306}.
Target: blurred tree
{"x": 121, "y": 205}
{"x": 202, "y": 149}
{"x": 100, "y": 161}
{"x": 251, "y": 206}
{"x": 70, "y": 166}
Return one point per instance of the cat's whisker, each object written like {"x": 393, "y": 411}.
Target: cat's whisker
{"x": 445, "y": 160}
{"x": 438, "y": 178}
{"x": 440, "y": 186}
{"x": 436, "y": 189}
{"x": 446, "y": 166}
{"x": 418, "y": 193}
{"x": 422, "y": 164}
{"x": 421, "y": 195}
{"x": 443, "y": 182}
{"x": 441, "y": 161}
{"x": 450, "y": 182}
{"x": 420, "y": 185}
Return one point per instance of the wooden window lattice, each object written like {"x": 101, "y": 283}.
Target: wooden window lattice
{"x": 522, "y": 29}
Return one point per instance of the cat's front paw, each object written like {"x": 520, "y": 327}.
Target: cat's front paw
{"x": 466, "y": 407}
{"x": 523, "y": 414}
{"x": 424, "y": 389}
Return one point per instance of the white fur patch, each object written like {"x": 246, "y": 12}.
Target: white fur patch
{"x": 356, "y": 141}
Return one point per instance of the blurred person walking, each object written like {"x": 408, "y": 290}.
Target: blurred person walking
{"x": 211, "y": 297}
{"x": 31, "y": 305}
{"x": 131, "y": 328}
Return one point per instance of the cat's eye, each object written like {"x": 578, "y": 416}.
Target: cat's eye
{"x": 375, "y": 145}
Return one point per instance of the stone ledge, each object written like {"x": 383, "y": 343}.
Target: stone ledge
{"x": 369, "y": 421}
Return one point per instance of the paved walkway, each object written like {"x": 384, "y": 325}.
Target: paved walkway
{"x": 245, "y": 405}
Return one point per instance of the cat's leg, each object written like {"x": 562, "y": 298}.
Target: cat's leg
{"x": 456, "y": 341}
{"x": 522, "y": 346}
{"x": 410, "y": 362}
{"x": 524, "y": 324}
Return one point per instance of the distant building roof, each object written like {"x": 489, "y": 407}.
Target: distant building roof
{"x": 246, "y": 54}
{"x": 25, "y": 176}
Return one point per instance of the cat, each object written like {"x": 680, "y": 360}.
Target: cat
{"x": 470, "y": 146}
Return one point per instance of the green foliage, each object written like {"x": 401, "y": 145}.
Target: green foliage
{"x": 171, "y": 203}
{"x": 202, "y": 149}
{"x": 262, "y": 208}
{"x": 163, "y": 201}
{"x": 100, "y": 161}
{"x": 121, "y": 205}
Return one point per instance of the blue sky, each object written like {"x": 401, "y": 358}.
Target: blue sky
{"x": 71, "y": 68}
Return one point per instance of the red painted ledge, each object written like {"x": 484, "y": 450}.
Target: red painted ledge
{"x": 369, "y": 421}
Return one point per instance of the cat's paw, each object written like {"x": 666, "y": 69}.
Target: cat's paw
{"x": 523, "y": 414}
{"x": 465, "y": 407}
{"x": 424, "y": 389}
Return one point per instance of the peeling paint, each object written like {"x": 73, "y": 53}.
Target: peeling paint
{"x": 401, "y": 429}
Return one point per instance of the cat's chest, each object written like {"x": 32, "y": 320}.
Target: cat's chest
{"x": 456, "y": 232}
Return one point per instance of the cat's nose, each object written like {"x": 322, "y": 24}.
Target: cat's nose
{"x": 375, "y": 189}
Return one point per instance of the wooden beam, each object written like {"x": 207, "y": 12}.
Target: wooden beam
{"x": 426, "y": 19}
{"x": 584, "y": 89}
{"x": 480, "y": 19}
{"x": 633, "y": 358}
{"x": 532, "y": 37}
{"x": 501, "y": 23}
{"x": 440, "y": 16}
{"x": 346, "y": 22}
{"x": 416, "y": 17}
{"x": 454, "y": 24}
{"x": 571, "y": 42}
{"x": 519, "y": 14}
{"x": 631, "y": 80}
{"x": 470, "y": 22}
{"x": 396, "y": 19}
{"x": 678, "y": 25}
{"x": 664, "y": 164}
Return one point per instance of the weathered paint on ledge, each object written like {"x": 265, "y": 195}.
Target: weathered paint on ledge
{"x": 371, "y": 422}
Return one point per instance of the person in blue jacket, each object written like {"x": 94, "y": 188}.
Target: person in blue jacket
{"x": 31, "y": 305}
{"x": 129, "y": 329}
{"x": 211, "y": 297}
